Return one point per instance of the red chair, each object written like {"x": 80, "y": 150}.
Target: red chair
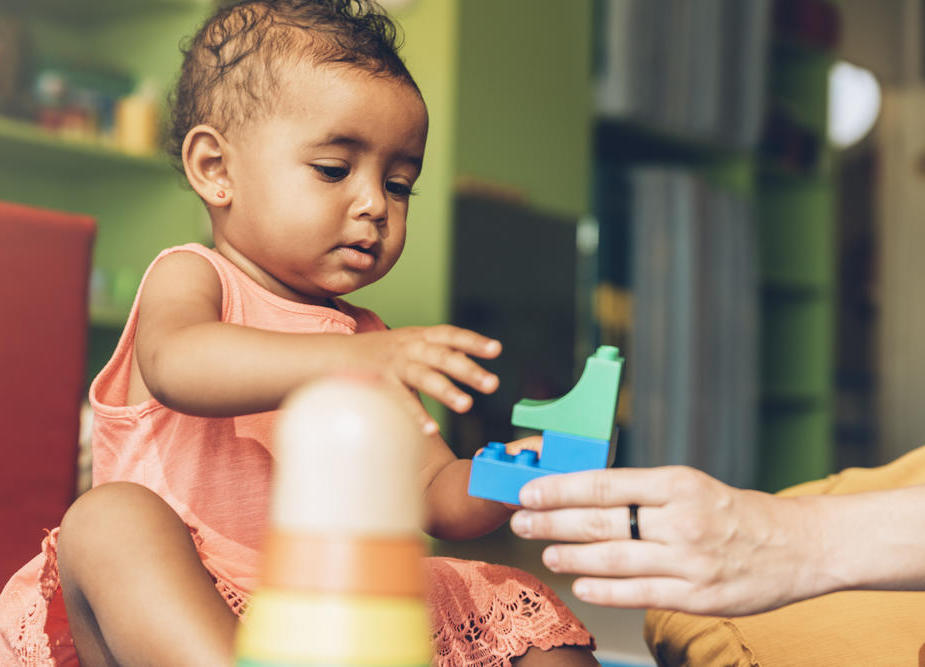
{"x": 44, "y": 273}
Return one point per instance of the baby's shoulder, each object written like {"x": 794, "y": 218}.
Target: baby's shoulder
{"x": 179, "y": 273}
{"x": 191, "y": 261}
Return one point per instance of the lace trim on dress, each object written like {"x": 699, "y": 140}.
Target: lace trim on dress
{"x": 486, "y": 614}
{"x": 234, "y": 597}
{"x": 31, "y": 645}
{"x": 481, "y": 614}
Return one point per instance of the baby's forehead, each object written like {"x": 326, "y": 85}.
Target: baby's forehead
{"x": 340, "y": 86}
{"x": 326, "y": 105}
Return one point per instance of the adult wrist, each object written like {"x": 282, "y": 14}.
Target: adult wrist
{"x": 831, "y": 544}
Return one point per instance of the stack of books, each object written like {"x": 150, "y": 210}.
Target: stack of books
{"x": 691, "y": 69}
{"x": 694, "y": 367}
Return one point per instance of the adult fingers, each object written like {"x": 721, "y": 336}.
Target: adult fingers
{"x": 464, "y": 340}
{"x": 635, "y": 593}
{"x": 610, "y": 487}
{"x": 585, "y": 524}
{"x": 616, "y": 558}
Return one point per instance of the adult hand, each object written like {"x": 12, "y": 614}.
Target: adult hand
{"x": 704, "y": 547}
{"x": 429, "y": 359}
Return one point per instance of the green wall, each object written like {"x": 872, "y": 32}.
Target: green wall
{"x": 525, "y": 99}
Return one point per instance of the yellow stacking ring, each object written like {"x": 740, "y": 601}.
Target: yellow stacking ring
{"x": 309, "y": 629}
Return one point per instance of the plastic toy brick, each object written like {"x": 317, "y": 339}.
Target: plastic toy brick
{"x": 587, "y": 410}
{"x": 563, "y": 452}
{"x": 577, "y": 430}
{"x": 497, "y": 475}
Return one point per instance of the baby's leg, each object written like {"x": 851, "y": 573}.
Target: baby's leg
{"x": 567, "y": 655}
{"x": 134, "y": 587}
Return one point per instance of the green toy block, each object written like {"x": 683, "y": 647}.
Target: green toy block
{"x": 588, "y": 409}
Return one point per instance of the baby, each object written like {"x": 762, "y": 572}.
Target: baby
{"x": 303, "y": 133}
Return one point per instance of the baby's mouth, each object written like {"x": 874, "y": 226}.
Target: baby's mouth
{"x": 358, "y": 256}
{"x": 367, "y": 247}
{"x": 363, "y": 249}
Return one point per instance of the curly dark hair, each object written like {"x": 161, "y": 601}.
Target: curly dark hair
{"x": 231, "y": 67}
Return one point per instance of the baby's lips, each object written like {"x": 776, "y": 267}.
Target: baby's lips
{"x": 370, "y": 245}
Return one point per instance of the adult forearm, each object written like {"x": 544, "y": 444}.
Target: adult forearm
{"x": 875, "y": 540}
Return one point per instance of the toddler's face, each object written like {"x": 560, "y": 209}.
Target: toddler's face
{"x": 321, "y": 186}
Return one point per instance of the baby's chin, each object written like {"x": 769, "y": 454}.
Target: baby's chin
{"x": 347, "y": 281}
{"x": 323, "y": 294}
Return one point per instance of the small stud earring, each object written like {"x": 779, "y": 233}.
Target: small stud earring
{"x": 220, "y": 194}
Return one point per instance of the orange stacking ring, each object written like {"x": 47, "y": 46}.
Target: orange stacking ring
{"x": 345, "y": 564}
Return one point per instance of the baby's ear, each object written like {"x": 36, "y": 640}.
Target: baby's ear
{"x": 205, "y": 162}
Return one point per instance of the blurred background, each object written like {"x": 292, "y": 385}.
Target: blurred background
{"x": 728, "y": 190}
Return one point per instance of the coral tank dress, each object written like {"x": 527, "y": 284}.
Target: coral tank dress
{"x": 215, "y": 474}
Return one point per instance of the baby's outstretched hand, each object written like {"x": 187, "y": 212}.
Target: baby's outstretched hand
{"x": 426, "y": 359}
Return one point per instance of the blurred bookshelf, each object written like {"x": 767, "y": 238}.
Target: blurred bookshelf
{"x": 82, "y": 103}
{"x": 797, "y": 241}
{"x": 26, "y": 143}
{"x": 715, "y": 202}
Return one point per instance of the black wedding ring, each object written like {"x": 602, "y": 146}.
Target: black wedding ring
{"x": 634, "y": 522}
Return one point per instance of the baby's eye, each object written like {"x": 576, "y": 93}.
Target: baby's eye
{"x": 399, "y": 189}
{"x": 330, "y": 172}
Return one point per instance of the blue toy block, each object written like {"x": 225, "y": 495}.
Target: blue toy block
{"x": 563, "y": 452}
{"x": 497, "y": 475}
{"x": 577, "y": 431}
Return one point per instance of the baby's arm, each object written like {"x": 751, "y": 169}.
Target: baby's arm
{"x": 194, "y": 363}
{"x": 451, "y": 513}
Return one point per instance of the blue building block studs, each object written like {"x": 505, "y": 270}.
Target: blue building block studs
{"x": 497, "y": 475}
{"x": 578, "y": 430}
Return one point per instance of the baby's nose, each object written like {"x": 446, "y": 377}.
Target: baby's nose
{"x": 372, "y": 203}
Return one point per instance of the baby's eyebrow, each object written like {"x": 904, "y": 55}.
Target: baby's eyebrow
{"x": 339, "y": 140}
{"x": 415, "y": 161}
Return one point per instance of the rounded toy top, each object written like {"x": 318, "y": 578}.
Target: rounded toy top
{"x": 348, "y": 455}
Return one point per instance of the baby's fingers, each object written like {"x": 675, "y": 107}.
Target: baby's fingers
{"x": 447, "y": 361}
{"x": 436, "y": 385}
{"x": 463, "y": 340}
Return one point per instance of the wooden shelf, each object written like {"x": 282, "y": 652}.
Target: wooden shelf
{"x": 783, "y": 402}
{"x": 25, "y": 143}
{"x": 626, "y": 142}
{"x": 634, "y": 141}
{"x": 772, "y": 174}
